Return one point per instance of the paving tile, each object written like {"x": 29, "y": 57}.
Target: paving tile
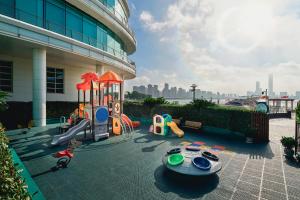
{"x": 249, "y": 188}
{"x": 292, "y": 182}
{"x": 294, "y": 198}
{"x": 273, "y": 186}
{"x": 213, "y": 196}
{"x": 270, "y": 170}
{"x": 241, "y": 195}
{"x": 228, "y": 182}
{"x": 294, "y": 175}
{"x": 251, "y": 179}
{"x": 272, "y": 195}
{"x": 222, "y": 192}
{"x": 293, "y": 191}
{"x": 274, "y": 178}
{"x": 252, "y": 172}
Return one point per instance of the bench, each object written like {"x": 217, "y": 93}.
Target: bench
{"x": 188, "y": 124}
{"x": 192, "y": 125}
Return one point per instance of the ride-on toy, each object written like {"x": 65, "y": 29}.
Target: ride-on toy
{"x": 65, "y": 156}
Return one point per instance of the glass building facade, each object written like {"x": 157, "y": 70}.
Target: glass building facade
{"x": 61, "y": 17}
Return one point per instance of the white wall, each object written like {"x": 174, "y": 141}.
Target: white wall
{"x": 22, "y": 79}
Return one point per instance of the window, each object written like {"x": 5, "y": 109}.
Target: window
{"x": 89, "y": 31}
{"x": 6, "y": 80}
{"x": 7, "y": 8}
{"x": 30, "y": 11}
{"x": 74, "y": 23}
{"x": 55, "y": 80}
{"x": 56, "y": 16}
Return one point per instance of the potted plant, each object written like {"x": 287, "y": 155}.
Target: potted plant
{"x": 289, "y": 143}
{"x": 250, "y": 135}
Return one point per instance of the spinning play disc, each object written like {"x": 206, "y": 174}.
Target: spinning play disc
{"x": 174, "y": 151}
{"x": 175, "y": 159}
{"x": 201, "y": 163}
{"x": 210, "y": 156}
{"x": 192, "y": 148}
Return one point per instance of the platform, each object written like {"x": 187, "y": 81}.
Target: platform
{"x": 187, "y": 167}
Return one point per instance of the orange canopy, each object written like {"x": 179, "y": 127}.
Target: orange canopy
{"x": 110, "y": 77}
{"x": 87, "y": 79}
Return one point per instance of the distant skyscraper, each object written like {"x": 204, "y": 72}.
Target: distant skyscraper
{"x": 258, "y": 89}
{"x": 155, "y": 91}
{"x": 298, "y": 94}
{"x": 166, "y": 92}
{"x": 150, "y": 90}
{"x": 270, "y": 88}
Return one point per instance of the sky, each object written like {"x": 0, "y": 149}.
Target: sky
{"x": 223, "y": 46}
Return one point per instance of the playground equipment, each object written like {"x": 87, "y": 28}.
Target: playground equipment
{"x": 201, "y": 163}
{"x": 192, "y": 163}
{"x": 102, "y": 113}
{"x": 163, "y": 124}
{"x": 65, "y": 156}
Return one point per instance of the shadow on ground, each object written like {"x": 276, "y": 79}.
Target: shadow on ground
{"x": 188, "y": 187}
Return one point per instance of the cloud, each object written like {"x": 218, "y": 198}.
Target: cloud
{"x": 228, "y": 45}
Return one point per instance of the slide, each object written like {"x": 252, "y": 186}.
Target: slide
{"x": 133, "y": 124}
{"x": 175, "y": 129}
{"x": 57, "y": 139}
{"x": 127, "y": 121}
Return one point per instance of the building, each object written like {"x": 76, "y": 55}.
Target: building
{"x": 298, "y": 94}
{"x": 140, "y": 89}
{"x": 258, "y": 89}
{"x": 166, "y": 91}
{"x": 271, "y": 92}
{"x": 155, "y": 91}
{"x": 45, "y": 45}
{"x": 283, "y": 94}
{"x": 150, "y": 90}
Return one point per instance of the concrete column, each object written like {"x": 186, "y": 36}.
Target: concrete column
{"x": 39, "y": 89}
{"x": 122, "y": 85}
{"x": 100, "y": 69}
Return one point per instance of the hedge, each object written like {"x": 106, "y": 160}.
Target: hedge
{"x": 11, "y": 184}
{"x": 230, "y": 118}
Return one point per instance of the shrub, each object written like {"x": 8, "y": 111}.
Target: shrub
{"x": 3, "y": 98}
{"x": 201, "y": 103}
{"x": 151, "y": 102}
{"x": 11, "y": 184}
{"x": 288, "y": 142}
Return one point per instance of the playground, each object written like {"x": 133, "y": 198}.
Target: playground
{"x": 132, "y": 168}
{"x": 98, "y": 152}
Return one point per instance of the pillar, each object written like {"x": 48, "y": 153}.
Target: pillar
{"x": 39, "y": 89}
{"x": 100, "y": 71}
{"x": 122, "y": 92}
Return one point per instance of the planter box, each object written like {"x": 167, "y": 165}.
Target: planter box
{"x": 33, "y": 189}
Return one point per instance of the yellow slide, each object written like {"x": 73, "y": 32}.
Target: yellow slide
{"x": 175, "y": 129}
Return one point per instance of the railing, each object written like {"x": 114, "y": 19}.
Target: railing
{"x": 297, "y": 132}
{"x": 119, "y": 16}
{"x": 63, "y": 30}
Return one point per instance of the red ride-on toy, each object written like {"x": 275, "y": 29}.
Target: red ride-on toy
{"x": 66, "y": 155}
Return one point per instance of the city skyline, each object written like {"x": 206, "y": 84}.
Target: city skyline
{"x": 178, "y": 93}
{"x": 201, "y": 49}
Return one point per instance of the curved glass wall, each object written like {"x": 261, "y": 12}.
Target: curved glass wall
{"x": 60, "y": 17}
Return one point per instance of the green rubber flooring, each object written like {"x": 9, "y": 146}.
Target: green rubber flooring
{"x": 122, "y": 168}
